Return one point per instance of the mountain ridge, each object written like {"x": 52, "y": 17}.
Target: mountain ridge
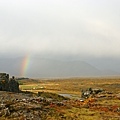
{"x": 43, "y": 67}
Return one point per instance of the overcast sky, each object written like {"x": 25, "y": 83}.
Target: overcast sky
{"x": 71, "y": 27}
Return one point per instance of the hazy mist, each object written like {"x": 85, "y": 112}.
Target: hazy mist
{"x": 64, "y": 30}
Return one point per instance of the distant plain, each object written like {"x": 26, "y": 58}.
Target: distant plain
{"x": 71, "y": 85}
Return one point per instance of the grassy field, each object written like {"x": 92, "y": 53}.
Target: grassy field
{"x": 72, "y": 85}
{"x": 103, "y": 108}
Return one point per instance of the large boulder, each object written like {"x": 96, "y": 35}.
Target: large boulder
{"x": 7, "y": 84}
{"x": 4, "y": 79}
{"x": 13, "y": 85}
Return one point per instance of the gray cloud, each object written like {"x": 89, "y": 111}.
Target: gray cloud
{"x": 60, "y": 27}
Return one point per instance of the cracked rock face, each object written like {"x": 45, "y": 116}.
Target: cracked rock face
{"x": 7, "y": 84}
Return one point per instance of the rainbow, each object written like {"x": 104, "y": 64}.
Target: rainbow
{"x": 25, "y": 63}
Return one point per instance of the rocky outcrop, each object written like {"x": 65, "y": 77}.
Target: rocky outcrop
{"x": 7, "y": 84}
{"x": 90, "y": 92}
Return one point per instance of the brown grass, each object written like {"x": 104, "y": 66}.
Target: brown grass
{"x": 72, "y": 85}
{"x": 91, "y": 109}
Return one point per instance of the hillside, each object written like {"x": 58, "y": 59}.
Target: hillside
{"x": 39, "y": 67}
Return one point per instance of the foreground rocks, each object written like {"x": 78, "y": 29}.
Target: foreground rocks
{"x": 29, "y": 106}
{"x": 22, "y": 106}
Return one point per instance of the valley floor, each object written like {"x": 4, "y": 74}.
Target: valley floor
{"x": 42, "y": 100}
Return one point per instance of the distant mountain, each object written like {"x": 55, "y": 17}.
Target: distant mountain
{"x": 39, "y": 67}
{"x": 109, "y": 73}
{"x": 54, "y": 68}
